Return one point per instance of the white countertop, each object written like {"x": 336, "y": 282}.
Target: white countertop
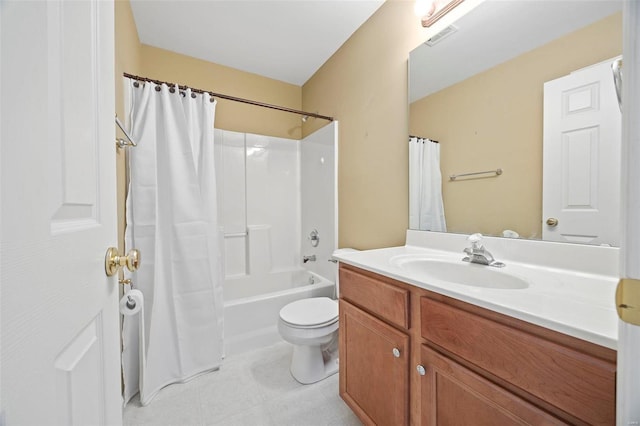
{"x": 570, "y": 301}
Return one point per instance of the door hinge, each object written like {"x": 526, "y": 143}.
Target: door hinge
{"x": 628, "y": 300}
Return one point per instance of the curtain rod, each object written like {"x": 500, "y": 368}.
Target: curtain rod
{"x": 420, "y": 137}
{"x": 233, "y": 98}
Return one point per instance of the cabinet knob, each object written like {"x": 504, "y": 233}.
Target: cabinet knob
{"x": 396, "y": 352}
{"x": 421, "y": 370}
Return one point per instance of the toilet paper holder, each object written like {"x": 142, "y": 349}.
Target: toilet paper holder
{"x": 131, "y": 303}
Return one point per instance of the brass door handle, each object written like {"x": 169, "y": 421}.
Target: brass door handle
{"x": 552, "y": 221}
{"x": 113, "y": 261}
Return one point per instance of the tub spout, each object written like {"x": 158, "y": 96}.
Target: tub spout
{"x": 311, "y": 258}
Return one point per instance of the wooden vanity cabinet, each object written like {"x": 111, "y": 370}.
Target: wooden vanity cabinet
{"x": 374, "y": 367}
{"x": 480, "y": 367}
{"x": 374, "y": 347}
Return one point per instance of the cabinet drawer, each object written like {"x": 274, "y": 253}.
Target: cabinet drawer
{"x": 573, "y": 381}
{"x": 376, "y": 295}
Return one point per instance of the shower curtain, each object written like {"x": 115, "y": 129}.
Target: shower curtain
{"x": 426, "y": 209}
{"x": 172, "y": 220}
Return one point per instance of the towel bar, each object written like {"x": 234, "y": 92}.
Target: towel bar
{"x": 497, "y": 172}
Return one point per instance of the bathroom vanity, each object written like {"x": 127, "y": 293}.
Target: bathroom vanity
{"x": 419, "y": 350}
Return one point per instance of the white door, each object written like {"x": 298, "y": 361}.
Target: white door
{"x": 581, "y": 166}
{"x": 60, "y": 344}
{"x": 628, "y": 375}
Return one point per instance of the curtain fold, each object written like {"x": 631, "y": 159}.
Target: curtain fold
{"x": 172, "y": 220}
{"x": 426, "y": 208}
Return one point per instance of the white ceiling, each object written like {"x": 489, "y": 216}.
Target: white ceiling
{"x": 494, "y": 32}
{"x": 286, "y": 40}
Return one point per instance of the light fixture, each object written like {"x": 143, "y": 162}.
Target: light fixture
{"x": 424, "y": 8}
{"x": 429, "y": 11}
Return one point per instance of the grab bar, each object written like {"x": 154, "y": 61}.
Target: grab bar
{"x": 498, "y": 172}
{"x": 235, "y": 235}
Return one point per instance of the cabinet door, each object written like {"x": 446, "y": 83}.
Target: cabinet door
{"x": 374, "y": 367}
{"x": 454, "y": 395}
{"x": 572, "y": 378}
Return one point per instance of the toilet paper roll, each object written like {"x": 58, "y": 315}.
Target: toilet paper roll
{"x": 134, "y": 347}
{"x": 137, "y": 297}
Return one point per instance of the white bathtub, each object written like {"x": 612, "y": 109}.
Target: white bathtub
{"x": 252, "y": 306}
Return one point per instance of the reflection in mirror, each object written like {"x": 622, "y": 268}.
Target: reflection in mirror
{"x": 481, "y": 92}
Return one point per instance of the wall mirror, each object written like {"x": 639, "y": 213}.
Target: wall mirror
{"x": 491, "y": 89}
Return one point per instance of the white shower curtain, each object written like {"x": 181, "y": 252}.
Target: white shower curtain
{"x": 172, "y": 220}
{"x": 426, "y": 209}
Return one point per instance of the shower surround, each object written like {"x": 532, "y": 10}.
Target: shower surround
{"x": 272, "y": 192}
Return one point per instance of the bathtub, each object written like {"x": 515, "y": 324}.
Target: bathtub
{"x": 252, "y": 305}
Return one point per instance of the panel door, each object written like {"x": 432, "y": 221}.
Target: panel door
{"x": 60, "y": 344}
{"x": 374, "y": 379}
{"x": 628, "y": 377}
{"x": 581, "y": 169}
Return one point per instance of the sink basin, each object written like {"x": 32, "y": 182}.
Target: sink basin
{"x": 464, "y": 273}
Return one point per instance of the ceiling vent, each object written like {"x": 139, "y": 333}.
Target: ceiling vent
{"x": 441, "y": 35}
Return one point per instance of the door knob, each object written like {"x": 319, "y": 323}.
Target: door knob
{"x": 552, "y": 221}
{"x": 113, "y": 261}
{"x": 396, "y": 352}
{"x": 421, "y": 370}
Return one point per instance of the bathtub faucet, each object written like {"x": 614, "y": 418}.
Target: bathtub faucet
{"x": 311, "y": 258}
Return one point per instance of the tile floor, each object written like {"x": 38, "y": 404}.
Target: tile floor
{"x": 251, "y": 389}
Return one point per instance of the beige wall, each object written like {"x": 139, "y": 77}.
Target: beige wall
{"x": 169, "y": 66}
{"x": 147, "y": 61}
{"x": 494, "y": 119}
{"x": 127, "y": 49}
{"x": 364, "y": 86}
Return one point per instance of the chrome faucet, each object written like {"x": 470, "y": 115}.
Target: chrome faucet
{"x": 311, "y": 258}
{"x": 478, "y": 254}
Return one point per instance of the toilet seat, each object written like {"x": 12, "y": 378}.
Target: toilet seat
{"x": 314, "y": 312}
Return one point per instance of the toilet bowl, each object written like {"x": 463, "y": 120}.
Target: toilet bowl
{"x": 311, "y": 326}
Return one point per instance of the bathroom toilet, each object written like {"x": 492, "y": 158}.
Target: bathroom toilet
{"x": 311, "y": 326}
